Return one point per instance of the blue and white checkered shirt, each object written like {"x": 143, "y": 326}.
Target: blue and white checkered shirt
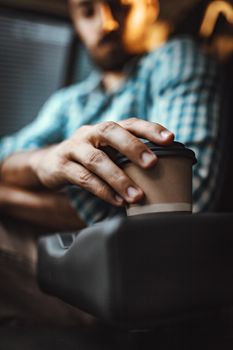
{"x": 177, "y": 85}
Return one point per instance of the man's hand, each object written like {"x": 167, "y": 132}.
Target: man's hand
{"x": 80, "y": 161}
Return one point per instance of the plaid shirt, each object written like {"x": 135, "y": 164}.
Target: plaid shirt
{"x": 177, "y": 85}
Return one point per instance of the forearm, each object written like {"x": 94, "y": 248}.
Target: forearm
{"x": 17, "y": 169}
{"x": 45, "y": 209}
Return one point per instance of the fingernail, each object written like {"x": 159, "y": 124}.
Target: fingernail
{"x": 132, "y": 192}
{"x": 118, "y": 199}
{"x": 165, "y": 134}
{"x": 147, "y": 157}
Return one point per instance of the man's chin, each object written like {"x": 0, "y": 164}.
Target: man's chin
{"x": 113, "y": 62}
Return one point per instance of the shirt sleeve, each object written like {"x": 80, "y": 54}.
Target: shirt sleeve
{"x": 187, "y": 100}
{"x": 46, "y": 129}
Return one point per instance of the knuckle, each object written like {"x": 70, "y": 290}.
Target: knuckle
{"x": 132, "y": 120}
{"x": 106, "y": 127}
{"x": 81, "y": 133}
{"x": 94, "y": 158}
{"x": 83, "y": 129}
{"x": 64, "y": 150}
{"x": 129, "y": 122}
{"x": 158, "y": 126}
{"x": 134, "y": 144}
{"x": 119, "y": 179}
{"x": 84, "y": 178}
{"x": 103, "y": 190}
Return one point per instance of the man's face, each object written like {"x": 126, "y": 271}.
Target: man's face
{"x": 112, "y": 30}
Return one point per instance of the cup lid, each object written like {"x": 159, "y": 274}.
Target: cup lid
{"x": 175, "y": 148}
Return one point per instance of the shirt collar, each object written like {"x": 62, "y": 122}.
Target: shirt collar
{"x": 94, "y": 80}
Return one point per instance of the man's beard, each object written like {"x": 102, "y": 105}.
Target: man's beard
{"x": 114, "y": 59}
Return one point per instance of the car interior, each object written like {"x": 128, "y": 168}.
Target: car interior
{"x": 171, "y": 289}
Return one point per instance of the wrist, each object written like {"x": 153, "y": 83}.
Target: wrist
{"x": 34, "y": 160}
{"x": 1, "y": 167}
{"x": 40, "y": 164}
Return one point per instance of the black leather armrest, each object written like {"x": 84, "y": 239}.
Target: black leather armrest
{"x": 136, "y": 271}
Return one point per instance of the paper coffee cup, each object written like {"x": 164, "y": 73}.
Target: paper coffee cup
{"x": 167, "y": 186}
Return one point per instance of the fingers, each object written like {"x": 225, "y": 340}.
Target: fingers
{"x": 119, "y": 138}
{"x": 84, "y": 164}
{"x": 152, "y": 131}
{"x": 81, "y": 176}
{"x": 98, "y": 163}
